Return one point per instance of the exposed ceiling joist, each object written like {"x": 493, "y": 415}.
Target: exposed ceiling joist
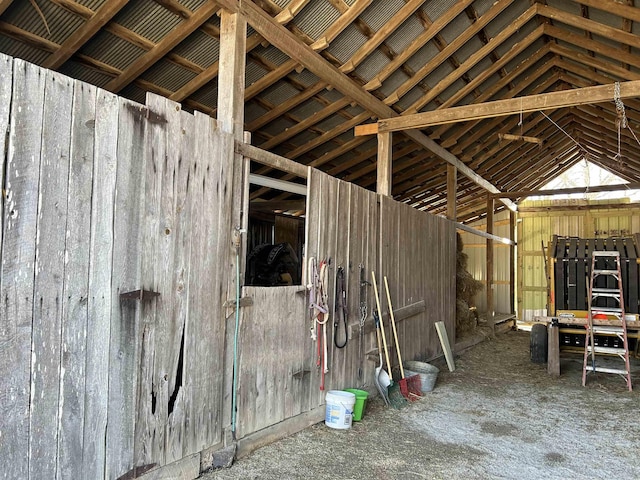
{"x": 515, "y": 106}
{"x": 284, "y": 40}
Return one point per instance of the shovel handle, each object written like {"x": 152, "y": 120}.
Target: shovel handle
{"x": 393, "y": 325}
{"x": 384, "y": 336}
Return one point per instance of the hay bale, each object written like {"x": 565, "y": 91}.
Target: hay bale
{"x": 467, "y": 288}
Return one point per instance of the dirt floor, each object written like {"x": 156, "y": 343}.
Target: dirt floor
{"x": 496, "y": 416}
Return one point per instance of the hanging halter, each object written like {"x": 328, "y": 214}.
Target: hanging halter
{"x": 340, "y": 309}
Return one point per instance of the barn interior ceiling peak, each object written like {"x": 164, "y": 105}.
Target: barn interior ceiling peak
{"x": 323, "y": 67}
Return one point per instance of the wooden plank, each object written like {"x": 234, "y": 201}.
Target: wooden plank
{"x": 146, "y": 450}
{"x": 186, "y": 468}
{"x": 385, "y": 164}
{"x": 180, "y": 392}
{"x": 169, "y": 326}
{"x": 271, "y": 159}
{"x": 489, "y": 259}
{"x": 22, "y": 169}
{"x": 76, "y": 282}
{"x": 233, "y": 45}
{"x": 452, "y": 192}
{"x": 563, "y": 191}
{"x": 48, "y": 287}
{"x": 100, "y": 300}
{"x": 365, "y": 129}
{"x": 444, "y": 342}
{"x": 125, "y": 325}
{"x": 512, "y": 106}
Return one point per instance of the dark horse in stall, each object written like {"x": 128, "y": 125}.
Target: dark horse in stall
{"x": 272, "y": 265}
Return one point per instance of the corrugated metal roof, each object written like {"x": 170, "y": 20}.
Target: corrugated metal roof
{"x": 306, "y": 109}
{"x": 192, "y": 5}
{"x": 208, "y": 94}
{"x": 404, "y": 35}
{"x": 253, "y": 73}
{"x": 253, "y": 111}
{"x": 277, "y": 126}
{"x": 468, "y": 49}
{"x": 507, "y": 17}
{"x": 304, "y": 137}
{"x": 84, "y": 73}
{"x": 480, "y": 67}
{"x": 434, "y": 10}
{"x": 92, "y": 4}
{"x": 147, "y": 19}
{"x": 134, "y": 93}
{"x": 279, "y": 93}
{"x": 482, "y": 6}
{"x": 200, "y": 49}
{"x": 12, "y": 47}
{"x": 455, "y": 28}
{"x": 391, "y": 84}
{"x": 61, "y": 22}
{"x": 380, "y": 12}
{"x": 281, "y": 3}
{"x": 112, "y": 50}
{"x": 331, "y": 95}
{"x": 305, "y": 77}
{"x": 415, "y": 94}
{"x": 454, "y": 88}
{"x": 422, "y": 56}
{"x": 168, "y": 75}
{"x": 515, "y": 38}
{"x": 438, "y": 74}
{"x": 331, "y": 122}
{"x": 347, "y": 43}
{"x": 271, "y": 54}
{"x": 316, "y": 17}
{"x": 372, "y": 65}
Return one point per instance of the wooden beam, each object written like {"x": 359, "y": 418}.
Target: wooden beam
{"x": 4, "y": 4}
{"x": 480, "y": 233}
{"x": 512, "y": 262}
{"x": 82, "y": 35}
{"x": 173, "y": 38}
{"x": 271, "y": 159}
{"x": 582, "y": 23}
{"x": 519, "y": 138}
{"x": 452, "y": 192}
{"x": 567, "y": 191}
{"x": 385, "y": 167}
{"x": 233, "y": 40}
{"x": 513, "y": 106}
{"x": 489, "y": 265}
{"x": 289, "y": 44}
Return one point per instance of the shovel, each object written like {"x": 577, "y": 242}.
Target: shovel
{"x": 381, "y": 378}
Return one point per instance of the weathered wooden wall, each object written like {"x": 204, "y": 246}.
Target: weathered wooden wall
{"x": 103, "y": 196}
{"x": 418, "y": 256}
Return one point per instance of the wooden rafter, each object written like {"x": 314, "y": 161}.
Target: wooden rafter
{"x": 514, "y": 106}
{"x": 288, "y": 43}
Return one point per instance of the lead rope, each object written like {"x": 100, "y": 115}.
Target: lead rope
{"x": 363, "y": 317}
{"x": 319, "y": 313}
{"x": 340, "y": 312}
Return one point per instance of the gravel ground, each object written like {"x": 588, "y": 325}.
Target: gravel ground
{"x": 497, "y": 416}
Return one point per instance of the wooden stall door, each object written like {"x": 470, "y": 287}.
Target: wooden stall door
{"x": 276, "y": 358}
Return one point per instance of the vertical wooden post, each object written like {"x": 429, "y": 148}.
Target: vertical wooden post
{"x": 231, "y": 73}
{"x": 233, "y": 47}
{"x": 512, "y": 261}
{"x": 452, "y": 191}
{"x": 489, "y": 266}
{"x": 553, "y": 350}
{"x": 385, "y": 154}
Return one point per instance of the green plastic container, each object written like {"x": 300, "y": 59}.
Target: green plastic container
{"x": 361, "y": 401}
